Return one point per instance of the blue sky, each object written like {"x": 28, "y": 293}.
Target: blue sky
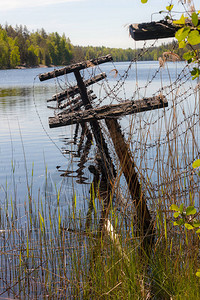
{"x": 85, "y": 22}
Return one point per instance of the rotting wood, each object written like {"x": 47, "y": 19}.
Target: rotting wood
{"x": 72, "y": 91}
{"x": 128, "y": 166}
{"x": 75, "y": 67}
{"x": 108, "y": 111}
{"x": 73, "y": 101}
{"x": 155, "y": 30}
{"x": 76, "y": 106}
{"x": 108, "y": 167}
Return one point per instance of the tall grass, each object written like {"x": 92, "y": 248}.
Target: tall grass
{"x": 61, "y": 252}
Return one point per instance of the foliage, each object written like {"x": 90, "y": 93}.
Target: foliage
{"x": 187, "y": 35}
{"x": 18, "y": 46}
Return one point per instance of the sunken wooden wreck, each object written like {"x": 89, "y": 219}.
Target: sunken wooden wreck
{"x": 76, "y": 105}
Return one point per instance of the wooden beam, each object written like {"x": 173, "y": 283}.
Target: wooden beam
{"x": 72, "y": 91}
{"x": 108, "y": 168}
{"x": 127, "y": 164}
{"x": 108, "y": 111}
{"x": 76, "y": 67}
{"x": 76, "y": 106}
{"x": 155, "y": 30}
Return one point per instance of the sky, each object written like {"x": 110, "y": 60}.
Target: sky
{"x": 85, "y": 22}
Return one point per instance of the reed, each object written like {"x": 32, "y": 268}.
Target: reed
{"x": 61, "y": 252}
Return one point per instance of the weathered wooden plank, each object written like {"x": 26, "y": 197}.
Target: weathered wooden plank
{"x": 76, "y": 67}
{"x": 73, "y": 101}
{"x": 109, "y": 111}
{"x": 72, "y": 91}
{"x": 76, "y": 106}
{"x": 155, "y": 30}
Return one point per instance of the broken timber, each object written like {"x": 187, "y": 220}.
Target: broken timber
{"x": 74, "y": 115}
{"x": 72, "y": 91}
{"x": 155, "y": 30}
{"x": 108, "y": 111}
{"x": 76, "y": 67}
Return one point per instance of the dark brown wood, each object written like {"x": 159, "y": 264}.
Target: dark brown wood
{"x": 128, "y": 166}
{"x": 76, "y": 106}
{"x": 72, "y": 91}
{"x": 155, "y": 30}
{"x": 76, "y": 67}
{"x": 108, "y": 111}
{"x": 108, "y": 167}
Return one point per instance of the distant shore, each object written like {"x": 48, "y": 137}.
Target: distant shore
{"x": 21, "y": 67}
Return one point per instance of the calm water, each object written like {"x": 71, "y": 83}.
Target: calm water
{"x": 28, "y": 145}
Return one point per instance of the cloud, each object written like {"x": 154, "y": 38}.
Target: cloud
{"x": 14, "y": 4}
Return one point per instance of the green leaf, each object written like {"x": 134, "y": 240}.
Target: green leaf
{"x": 195, "y": 19}
{"x": 179, "y": 222}
{"x": 193, "y": 37}
{"x": 189, "y": 226}
{"x": 144, "y": 1}
{"x": 188, "y": 55}
{"x": 196, "y": 164}
{"x": 182, "y": 33}
{"x": 198, "y": 231}
{"x": 195, "y": 73}
{"x": 190, "y": 210}
{"x": 198, "y": 273}
{"x": 176, "y": 214}
{"x": 182, "y": 44}
{"x": 181, "y": 21}
{"x": 196, "y": 223}
{"x": 174, "y": 207}
{"x": 181, "y": 208}
{"x": 169, "y": 8}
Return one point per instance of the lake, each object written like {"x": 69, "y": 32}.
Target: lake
{"x": 33, "y": 154}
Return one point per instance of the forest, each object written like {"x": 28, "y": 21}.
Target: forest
{"x": 21, "y": 48}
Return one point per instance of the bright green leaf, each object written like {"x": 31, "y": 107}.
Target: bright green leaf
{"x": 176, "y": 214}
{"x": 196, "y": 164}
{"x": 182, "y": 33}
{"x": 169, "y": 8}
{"x": 190, "y": 210}
{"x": 198, "y": 273}
{"x": 193, "y": 37}
{"x": 198, "y": 231}
{"x": 174, "y": 207}
{"x": 182, "y": 44}
{"x": 195, "y": 19}
{"x": 189, "y": 226}
{"x": 181, "y": 21}
{"x": 195, "y": 73}
{"x": 179, "y": 222}
{"x": 181, "y": 208}
{"x": 196, "y": 224}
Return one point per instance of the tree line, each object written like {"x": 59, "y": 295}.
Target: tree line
{"x": 19, "y": 46}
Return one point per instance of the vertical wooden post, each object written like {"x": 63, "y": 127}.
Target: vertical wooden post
{"x": 108, "y": 167}
{"x": 128, "y": 167}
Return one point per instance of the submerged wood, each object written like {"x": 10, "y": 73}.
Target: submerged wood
{"x": 108, "y": 111}
{"x": 108, "y": 168}
{"x": 76, "y": 67}
{"x": 72, "y": 91}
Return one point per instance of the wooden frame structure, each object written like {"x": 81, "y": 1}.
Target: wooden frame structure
{"x": 110, "y": 113}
